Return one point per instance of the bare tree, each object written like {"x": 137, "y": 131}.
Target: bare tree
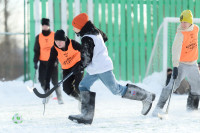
{"x": 6, "y": 15}
{"x": 11, "y": 65}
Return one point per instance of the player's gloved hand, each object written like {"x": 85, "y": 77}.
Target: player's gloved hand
{"x": 78, "y": 68}
{"x": 175, "y": 72}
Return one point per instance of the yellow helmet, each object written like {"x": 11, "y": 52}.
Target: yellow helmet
{"x": 186, "y": 16}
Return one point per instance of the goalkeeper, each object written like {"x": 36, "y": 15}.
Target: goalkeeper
{"x": 184, "y": 59}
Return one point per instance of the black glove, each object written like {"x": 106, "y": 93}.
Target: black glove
{"x": 78, "y": 69}
{"x": 35, "y": 66}
{"x": 175, "y": 72}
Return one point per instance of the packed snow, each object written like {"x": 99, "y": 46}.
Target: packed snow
{"x": 112, "y": 114}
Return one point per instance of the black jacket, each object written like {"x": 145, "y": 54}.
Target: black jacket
{"x": 37, "y": 46}
{"x": 87, "y": 43}
{"x": 54, "y": 54}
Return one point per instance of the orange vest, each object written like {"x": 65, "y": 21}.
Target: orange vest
{"x": 189, "y": 50}
{"x": 46, "y": 42}
{"x": 68, "y": 58}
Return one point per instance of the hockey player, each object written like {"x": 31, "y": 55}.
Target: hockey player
{"x": 68, "y": 53}
{"x": 94, "y": 56}
{"x": 43, "y": 43}
{"x": 184, "y": 59}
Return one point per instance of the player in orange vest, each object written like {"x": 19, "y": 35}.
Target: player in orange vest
{"x": 68, "y": 53}
{"x": 184, "y": 59}
{"x": 43, "y": 43}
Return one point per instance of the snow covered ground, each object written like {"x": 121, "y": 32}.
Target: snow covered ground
{"x": 112, "y": 114}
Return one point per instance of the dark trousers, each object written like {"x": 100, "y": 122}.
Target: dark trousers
{"x": 72, "y": 83}
{"x": 42, "y": 73}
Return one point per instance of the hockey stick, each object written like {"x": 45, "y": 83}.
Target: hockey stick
{"x": 51, "y": 90}
{"x": 167, "y": 109}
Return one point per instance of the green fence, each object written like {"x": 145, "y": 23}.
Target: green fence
{"x": 131, "y": 27}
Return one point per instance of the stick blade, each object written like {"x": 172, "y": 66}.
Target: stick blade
{"x": 44, "y": 95}
{"x": 38, "y": 94}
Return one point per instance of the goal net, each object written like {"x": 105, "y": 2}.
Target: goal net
{"x": 161, "y": 55}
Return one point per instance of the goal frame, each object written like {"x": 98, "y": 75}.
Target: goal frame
{"x": 164, "y": 25}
